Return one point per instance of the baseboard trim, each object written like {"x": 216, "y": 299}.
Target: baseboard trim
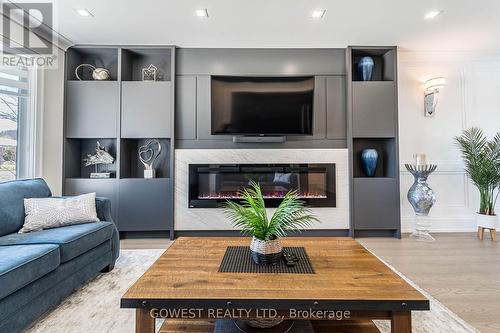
{"x": 377, "y": 233}
{"x": 236, "y": 233}
{"x": 144, "y": 234}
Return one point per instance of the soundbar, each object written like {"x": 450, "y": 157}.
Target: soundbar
{"x": 259, "y": 139}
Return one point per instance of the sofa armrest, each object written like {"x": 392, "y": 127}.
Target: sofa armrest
{"x": 103, "y": 208}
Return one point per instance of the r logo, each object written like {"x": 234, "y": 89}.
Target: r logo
{"x": 35, "y": 21}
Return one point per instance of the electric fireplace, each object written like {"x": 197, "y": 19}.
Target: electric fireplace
{"x": 212, "y": 184}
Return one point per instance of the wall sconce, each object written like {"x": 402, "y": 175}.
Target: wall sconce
{"x": 432, "y": 88}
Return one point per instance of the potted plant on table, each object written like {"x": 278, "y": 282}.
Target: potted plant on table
{"x": 482, "y": 165}
{"x": 251, "y": 217}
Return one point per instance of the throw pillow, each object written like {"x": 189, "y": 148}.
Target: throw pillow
{"x": 46, "y": 213}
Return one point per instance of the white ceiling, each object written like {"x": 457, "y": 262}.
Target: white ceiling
{"x": 464, "y": 24}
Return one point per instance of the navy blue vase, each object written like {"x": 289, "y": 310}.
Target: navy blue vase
{"x": 365, "y": 68}
{"x": 369, "y": 160}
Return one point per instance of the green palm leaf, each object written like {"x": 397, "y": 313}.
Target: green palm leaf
{"x": 250, "y": 216}
{"x": 482, "y": 164}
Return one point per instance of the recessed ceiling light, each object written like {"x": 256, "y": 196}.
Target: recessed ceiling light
{"x": 202, "y": 12}
{"x": 84, "y": 12}
{"x": 433, "y": 14}
{"x": 318, "y": 13}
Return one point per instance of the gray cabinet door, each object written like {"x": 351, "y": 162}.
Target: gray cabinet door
{"x": 185, "y": 111}
{"x": 376, "y": 203}
{"x": 92, "y": 109}
{"x": 102, "y": 187}
{"x": 336, "y": 120}
{"x": 144, "y": 204}
{"x": 146, "y": 109}
{"x": 373, "y": 109}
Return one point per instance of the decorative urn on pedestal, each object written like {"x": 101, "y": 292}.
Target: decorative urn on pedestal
{"x": 421, "y": 198}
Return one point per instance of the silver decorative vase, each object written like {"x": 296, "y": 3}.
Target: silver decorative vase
{"x": 421, "y": 198}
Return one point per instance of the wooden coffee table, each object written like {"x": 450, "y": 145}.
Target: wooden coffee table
{"x": 350, "y": 287}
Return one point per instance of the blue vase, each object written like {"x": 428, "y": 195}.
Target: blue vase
{"x": 369, "y": 160}
{"x": 365, "y": 68}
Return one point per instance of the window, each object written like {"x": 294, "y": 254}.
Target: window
{"x": 16, "y": 124}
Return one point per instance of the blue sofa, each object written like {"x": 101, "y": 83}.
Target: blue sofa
{"x": 39, "y": 269}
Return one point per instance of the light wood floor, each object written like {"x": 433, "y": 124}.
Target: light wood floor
{"x": 460, "y": 271}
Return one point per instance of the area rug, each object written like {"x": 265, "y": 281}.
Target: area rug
{"x": 95, "y": 307}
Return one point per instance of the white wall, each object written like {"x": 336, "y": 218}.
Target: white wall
{"x": 52, "y": 125}
{"x": 471, "y": 98}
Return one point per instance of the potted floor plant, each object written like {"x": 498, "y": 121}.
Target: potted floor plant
{"x": 482, "y": 165}
{"x": 251, "y": 217}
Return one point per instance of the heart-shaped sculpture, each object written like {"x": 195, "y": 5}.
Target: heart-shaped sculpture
{"x": 148, "y": 154}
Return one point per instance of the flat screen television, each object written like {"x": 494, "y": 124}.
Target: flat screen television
{"x": 262, "y": 105}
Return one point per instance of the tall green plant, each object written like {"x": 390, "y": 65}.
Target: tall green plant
{"x": 291, "y": 216}
{"x": 482, "y": 164}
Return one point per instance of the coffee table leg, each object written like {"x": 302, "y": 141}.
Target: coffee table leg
{"x": 401, "y": 322}
{"x": 144, "y": 323}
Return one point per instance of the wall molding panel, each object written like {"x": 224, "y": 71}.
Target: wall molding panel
{"x": 469, "y": 99}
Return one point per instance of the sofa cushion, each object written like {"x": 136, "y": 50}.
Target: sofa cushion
{"x": 73, "y": 240}
{"x": 12, "y": 195}
{"x": 22, "y": 264}
{"x": 14, "y": 304}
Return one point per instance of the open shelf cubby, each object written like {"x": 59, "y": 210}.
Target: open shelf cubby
{"x": 386, "y": 149}
{"x": 383, "y": 69}
{"x": 133, "y": 60}
{"x": 102, "y": 57}
{"x": 131, "y": 166}
{"x": 77, "y": 149}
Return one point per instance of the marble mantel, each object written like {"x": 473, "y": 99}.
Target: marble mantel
{"x": 213, "y": 218}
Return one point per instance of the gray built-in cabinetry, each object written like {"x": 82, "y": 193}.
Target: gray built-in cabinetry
{"x": 193, "y": 109}
{"x": 122, "y": 114}
{"x": 373, "y": 123}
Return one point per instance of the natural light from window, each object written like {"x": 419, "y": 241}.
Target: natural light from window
{"x": 13, "y": 95}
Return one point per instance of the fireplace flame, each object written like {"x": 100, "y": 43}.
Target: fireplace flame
{"x": 269, "y": 195}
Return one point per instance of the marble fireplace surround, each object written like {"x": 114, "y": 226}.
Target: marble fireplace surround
{"x": 194, "y": 219}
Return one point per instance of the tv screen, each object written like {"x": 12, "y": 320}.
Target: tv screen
{"x": 262, "y": 105}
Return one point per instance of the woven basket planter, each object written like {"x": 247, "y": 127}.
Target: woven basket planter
{"x": 266, "y": 252}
